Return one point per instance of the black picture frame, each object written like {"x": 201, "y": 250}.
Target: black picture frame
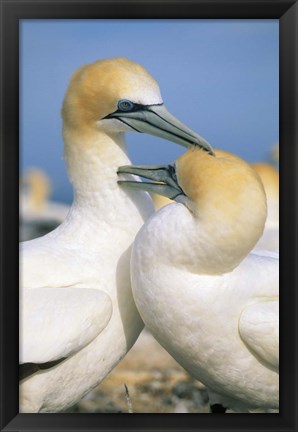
{"x": 14, "y": 10}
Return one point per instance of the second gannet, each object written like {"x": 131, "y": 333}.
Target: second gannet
{"x": 65, "y": 349}
{"x": 208, "y": 300}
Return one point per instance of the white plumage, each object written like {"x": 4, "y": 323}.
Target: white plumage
{"x": 87, "y": 314}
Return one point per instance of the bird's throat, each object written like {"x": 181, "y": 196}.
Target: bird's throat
{"x": 92, "y": 160}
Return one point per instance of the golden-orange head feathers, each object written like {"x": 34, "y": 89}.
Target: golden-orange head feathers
{"x": 226, "y": 191}
{"x": 95, "y": 89}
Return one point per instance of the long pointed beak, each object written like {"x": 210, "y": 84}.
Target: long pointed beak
{"x": 156, "y": 120}
{"x": 163, "y": 174}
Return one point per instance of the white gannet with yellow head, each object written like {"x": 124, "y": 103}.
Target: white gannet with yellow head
{"x": 207, "y": 299}
{"x": 77, "y": 314}
{"x": 270, "y": 179}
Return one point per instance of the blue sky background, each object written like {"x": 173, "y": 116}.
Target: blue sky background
{"x": 220, "y": 77}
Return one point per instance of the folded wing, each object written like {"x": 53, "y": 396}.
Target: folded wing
{"x": 259, "y": 330}
{"x": 57, "y": 322}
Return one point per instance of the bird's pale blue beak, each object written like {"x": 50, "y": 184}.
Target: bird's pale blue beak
{"x": 156, "y": 120}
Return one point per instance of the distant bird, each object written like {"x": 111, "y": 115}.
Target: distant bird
{"x": 207, "y": 299}
{"x": 66, "y": 347}
{"x": 38, "y": 215}
{"x": 270, "y": 179}
{"x": 275, "y": 153}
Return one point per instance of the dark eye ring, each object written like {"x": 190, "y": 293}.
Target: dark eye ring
{"x": 125, "y": 105}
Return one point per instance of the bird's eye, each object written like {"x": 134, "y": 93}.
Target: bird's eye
{"x": 125, "y": 105}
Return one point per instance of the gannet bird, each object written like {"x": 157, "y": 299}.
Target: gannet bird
{"x": 77, "y": 315}
{"x": 207, "y": 299}
{"x": 270, "y": 179}
{"x": 38, "y": 215}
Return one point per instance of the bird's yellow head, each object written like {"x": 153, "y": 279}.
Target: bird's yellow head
{"x": 96, "y": 89}
{"x": 226, "y": 192}
{"x": 205, "y": 179}
{"x": 118, "y": 95}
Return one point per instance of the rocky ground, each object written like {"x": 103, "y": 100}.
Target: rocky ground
{"x": 155, "y": 384}
{"x": 147, "y": 380}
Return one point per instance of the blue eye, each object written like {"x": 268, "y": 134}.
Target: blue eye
{"x": 125, "y": 105}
